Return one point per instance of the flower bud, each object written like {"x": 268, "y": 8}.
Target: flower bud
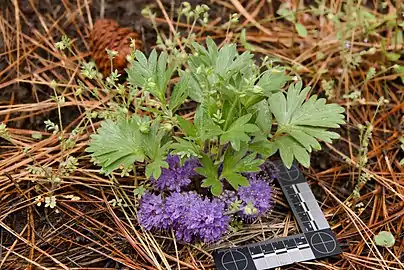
{"x": 144, "y": 128}
{"x": 167, "y": 126}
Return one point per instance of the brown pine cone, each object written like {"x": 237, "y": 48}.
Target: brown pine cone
{"x": 106, "y": 34}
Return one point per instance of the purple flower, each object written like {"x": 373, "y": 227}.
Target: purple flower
{"x": 269, "y": 171}
{"x": 176, "y": 176}
{"x": 195, "y": 218}
{"x": 258, "y": 195}
{"x": 228, "y": 197}
{"x": 178, "y": 205}
{"x": 152, "y": 213}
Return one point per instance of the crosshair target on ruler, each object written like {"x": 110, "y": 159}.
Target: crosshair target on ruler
{"x": 289, "y": 175}
{"x": 234, "y": 260}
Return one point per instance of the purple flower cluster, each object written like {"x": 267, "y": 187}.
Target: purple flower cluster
{"x": 176, "y": 176}
{"x": 269, "y": 171}
{"x": 191, "y": 216}
{"x": 197, "y": 218}
{"x": 255, "y": 199}
{"x": 259, "y": 194}
{"x": 228, "y": 197}
{"x": 152, "y": 213}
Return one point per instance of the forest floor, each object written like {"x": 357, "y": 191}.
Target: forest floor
{"x": 353, "y": 58}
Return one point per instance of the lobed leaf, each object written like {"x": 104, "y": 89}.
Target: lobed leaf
{"x": 116, "y": 145}
{"x": 153, "y": 169}
{"x": 237, "y": 162}
{"x": 187, "y": 127}
{"x": 264, "y": 117}
{"x": 155, "y": 69}
{"x": 237, "y": 132}
{"x": 302, "y": 123}
{"x": 180, "y": 93}
{"x": 206, "y": 127}
{"x": 272, "y": 81}
{"x": 209, "y": 170}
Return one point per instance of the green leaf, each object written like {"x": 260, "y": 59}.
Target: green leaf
{"x": 185, "y": 148}
{"x": 187, "y": 127}
{"x": 286, "y": 12}
{"x": 316, "y": 113}
{"x": 180, "y": 93}
{"x": 320, "y": 133}
{"x": 141, "y": 58}
{"x": 398, "y": 39}
{"x": 195, "y": 92}
{"x": 207, "y": 128}
{"x": 152, "y": 62}
{"x": 142, "y": 72}
{"x": 240, "y": 62}
{"x": 290, "y": 149}
{"x": 152, "y": 142}
{"x": 162, "y": 75}
{"x": 212, "y": 49}
{"x": 244, "y": 42}
{"x": 237, "y": 132}
{"x": 305, "y": 139}
{"x": 225, "y": 58}
{"x": 36, "y": 135}
{"x": 264, "y": 147}
{"x": 232, "y": 158}
{"x": 236, "y": 162}
{"x": 209, "y": 170}
{"x": 154, "y": 168}
{"x": 139, "y": 191}
{"x": 277, "y": 105}
{"x": 301, "y": 124}
{"x": 116, "y": 144}
{"x": 393, "y": 56}
{"x": 272, "y": 81}
{"x": 215, "y": 70}
{"x": 400, "y": 70}
{"x": 301, "y": 30}
{"x": 371, "y": 73}
{"x": 236, "y": 180}
{"x": 384, "y": 239}
{"x": 138, "y": 71}
{"x": 249, "y": 163}
{"x": 264, "y": 117}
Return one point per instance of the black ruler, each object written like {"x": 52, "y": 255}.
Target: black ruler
{"x": 317, "y": 240}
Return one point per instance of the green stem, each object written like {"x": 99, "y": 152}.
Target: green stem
{"x": 278, "y": 133}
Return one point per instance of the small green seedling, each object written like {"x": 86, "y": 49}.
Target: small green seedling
{"x": 384, "y": 239}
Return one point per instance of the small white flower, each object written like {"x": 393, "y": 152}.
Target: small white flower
{"x": 50, "y": 202}
{"x": 72, "y": 197}
{"x": 38, "y": 200}
{"x": 249, "y": 209}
